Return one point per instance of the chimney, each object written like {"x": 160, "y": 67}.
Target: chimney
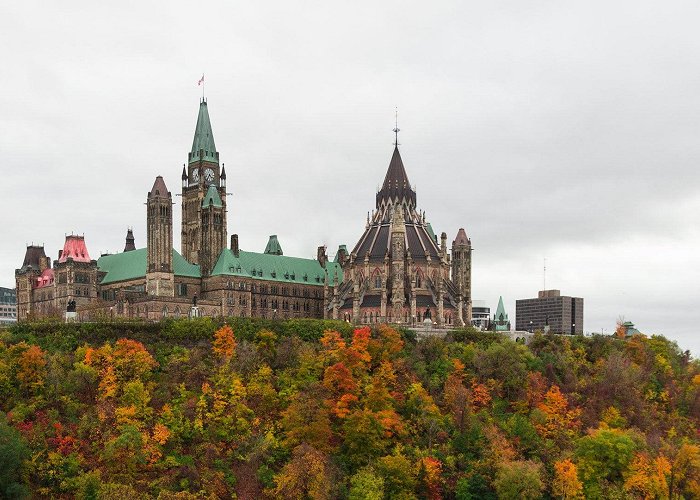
{"x": 234, "y": 244}
{"x": 321, "y": 256}
{"x": 443, "y": 242}
{"x": 60, "y": 253}
{"x": 342, "y": 254}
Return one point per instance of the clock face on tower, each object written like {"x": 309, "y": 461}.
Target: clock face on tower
{"x": 195, "y": 175}
{"x": 209, "y": 175}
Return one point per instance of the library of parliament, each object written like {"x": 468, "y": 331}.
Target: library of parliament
{"x": 397, "y": 272}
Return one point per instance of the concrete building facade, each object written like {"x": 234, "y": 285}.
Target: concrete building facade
{"x": 8, "y": 305}
{"x": 550, "y": 311}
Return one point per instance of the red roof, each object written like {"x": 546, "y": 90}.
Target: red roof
{"x": 75, "y": 249}
{"x": 45, "y": 279}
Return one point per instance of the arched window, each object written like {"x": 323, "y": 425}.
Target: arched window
{"x": 377, "y": 281}
{"x": 418, "y": 280}
{"x": 177, "y": 313}
{"x": 165, "y": 311}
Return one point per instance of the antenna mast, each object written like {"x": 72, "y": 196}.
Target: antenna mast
{"x": 544, "y": 275}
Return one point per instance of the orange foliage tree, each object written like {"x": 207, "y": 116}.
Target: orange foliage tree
{"x": 566, "y": 484}
{"x": 560, "y": 422}
{"x": 224, "y": 344}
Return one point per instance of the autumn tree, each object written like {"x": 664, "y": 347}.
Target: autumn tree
{"x": 224, "y": 344}
{"x": 31, "y": 368}
{"x": 558, "y": 421}
{"x": 307, "y": 420}
{"x": 456, "y": 395}
{"x": 685, "y": 472}
{"x": 566, "y": 484}
{"x": 308, "y": 474}
{"x": 646, "y": 477}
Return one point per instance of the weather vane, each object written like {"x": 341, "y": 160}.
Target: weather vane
{"x": 396, "y": 127}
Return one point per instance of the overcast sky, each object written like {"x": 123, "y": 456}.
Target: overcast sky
{"x": 561, "y": 130}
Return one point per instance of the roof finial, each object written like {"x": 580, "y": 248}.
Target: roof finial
{"x": 396, "y": 127}
{"x": 201, "y": 83}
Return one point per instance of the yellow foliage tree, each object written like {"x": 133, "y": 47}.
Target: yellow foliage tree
{"x": 647, "y": 478}
{"x": 566, "y": 484}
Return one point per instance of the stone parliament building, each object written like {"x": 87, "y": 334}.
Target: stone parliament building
{"x": 397, "y": 272}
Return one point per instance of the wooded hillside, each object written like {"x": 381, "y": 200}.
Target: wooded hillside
{"x": 315, "y": 409}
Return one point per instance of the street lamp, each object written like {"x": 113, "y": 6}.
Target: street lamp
{"x": 530, "y": 326}
{"x": 573, "y": 327}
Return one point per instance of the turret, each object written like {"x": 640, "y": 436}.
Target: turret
{"x": 159, "y": 244}
{"x": 462, "y": 273}
{"x": 129, "y": 244}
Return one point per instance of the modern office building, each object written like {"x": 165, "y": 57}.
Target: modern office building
{"x": 550, "y": 311}
{"x": 481, "y": 314}
{"x": 8, "y": 305}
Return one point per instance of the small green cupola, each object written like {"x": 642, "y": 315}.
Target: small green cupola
{"x": 203, "y": 147}
{"x": 500, "y": 319}
{"x": 273, "y": 246}
{"x": 212, "y": 198}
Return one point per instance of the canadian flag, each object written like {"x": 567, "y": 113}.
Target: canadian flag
{"x": 201, "y": 80}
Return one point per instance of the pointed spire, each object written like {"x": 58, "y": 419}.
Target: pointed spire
{"x": 184, "y": 173}
{"x": 461, "y": 238}
{"x": 223, "y": 171}
{"x": 159, "y": 188}
{"x": 203, "y": 137}
{"x": 129, "y": 246}
{"x": 500, "y": 311}
{"x": 396, "y": 183}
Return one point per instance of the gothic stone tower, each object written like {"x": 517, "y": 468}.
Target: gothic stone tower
{"x": 462, "y": 274}
{"x": 198, "y": 177}
{"x": 160, "y": 279}
{"x": 213, "y": 229}
{"x": 35, "y": 262}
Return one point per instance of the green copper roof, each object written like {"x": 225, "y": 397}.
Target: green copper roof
{"x": 273, "y": 246}
{"x": 279, "y": 268}
{"x": 132, "y": 265}
{"x": 203, "y": 136}
{"x": 431, "y": 232}
{"x": 212, "y": 198}
{"x": 500, "y": 311}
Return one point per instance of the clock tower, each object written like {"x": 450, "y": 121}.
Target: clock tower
{"x": 201, "y": 174}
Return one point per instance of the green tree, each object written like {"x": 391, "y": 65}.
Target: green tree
{"x": 366, "y": 485}
{"x": 519, "y": 480}
{"x": 603, "y": 456}
{"x": 13, "y": 453}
